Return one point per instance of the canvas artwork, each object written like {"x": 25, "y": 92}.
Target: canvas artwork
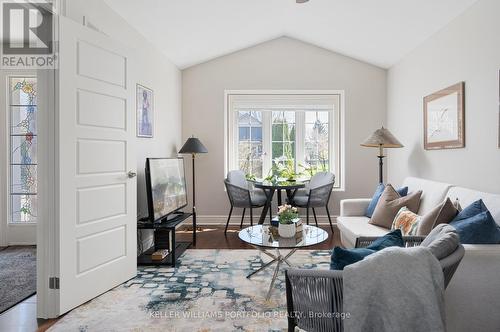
{"x": 168, "y": 186}
{"x": 145, "y": 111}
{"x": 444, "y": 121}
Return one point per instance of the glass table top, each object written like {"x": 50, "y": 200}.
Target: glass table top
{"x": 262, "y": 236}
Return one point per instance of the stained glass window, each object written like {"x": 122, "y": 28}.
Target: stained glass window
{"x": 23, "y": 149}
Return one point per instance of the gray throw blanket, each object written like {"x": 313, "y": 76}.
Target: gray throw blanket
{"x": 395, "y": 289}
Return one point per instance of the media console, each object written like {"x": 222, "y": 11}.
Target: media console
{"x": 164, "y": 238}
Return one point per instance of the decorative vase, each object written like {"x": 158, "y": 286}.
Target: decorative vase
{"x": 286, "y": 230}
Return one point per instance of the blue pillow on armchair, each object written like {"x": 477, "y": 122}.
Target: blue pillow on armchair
{"x": 475, "y": 225}
{"x": 342, "y": 257}
{"x": 376, "y": 196}
{"x": 392, "y": 239}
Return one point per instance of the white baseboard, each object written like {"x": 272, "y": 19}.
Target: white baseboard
{"x": 235, "y": 219}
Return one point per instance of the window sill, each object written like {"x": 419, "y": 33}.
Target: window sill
{"x": 21, "y": 223}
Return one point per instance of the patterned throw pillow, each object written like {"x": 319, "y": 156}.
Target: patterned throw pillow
{"x": 406, "y": 221}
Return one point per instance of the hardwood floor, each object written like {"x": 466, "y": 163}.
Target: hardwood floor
{"x": 213, "y": 237}
{"x": 22, "y": 317}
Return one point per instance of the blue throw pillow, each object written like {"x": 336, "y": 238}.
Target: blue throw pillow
{"x": 376, "y": 196}
{"x": 477, "y": 229}
{"x": 392, "y": 239}
{"x": 342, "y": 257}
{"x": 470, "y": 211}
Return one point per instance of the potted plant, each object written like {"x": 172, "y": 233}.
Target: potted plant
{"x": 286, "y": 216}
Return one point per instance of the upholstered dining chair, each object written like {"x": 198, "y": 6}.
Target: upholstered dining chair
{"x": 242, "y": 196}
{"x": 322, "y": 290}
{"x": 316, "y": 195}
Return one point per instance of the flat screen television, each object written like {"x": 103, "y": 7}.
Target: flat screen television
{"x": 166, "y": 187}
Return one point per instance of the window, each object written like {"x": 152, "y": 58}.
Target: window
{"x": 22, "y": 149}
{"x": 316, "y": 142}
{"x": 250, "y": 142}
{"x": 298, "y": 132}
{"x": 283, "y": 136}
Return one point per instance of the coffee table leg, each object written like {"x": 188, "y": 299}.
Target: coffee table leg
{"x": 279, "y": 260}
{"x": 261, "y": 268}
{"x": 274, "y": 279}
{"x": 285, "y": 259}
{"x": 274, "y": 259}
{"x": 269, "y": 254}
{"x": 290, "y": 254}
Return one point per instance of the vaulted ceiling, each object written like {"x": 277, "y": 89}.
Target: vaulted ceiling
{"x": 379, "y": 32}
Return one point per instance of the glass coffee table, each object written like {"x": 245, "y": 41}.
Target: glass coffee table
{"x": 262, "y": 238}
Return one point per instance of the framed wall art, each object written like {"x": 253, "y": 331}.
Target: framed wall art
{"x": 444, "y": 118}
{"x": 145, "y": 111}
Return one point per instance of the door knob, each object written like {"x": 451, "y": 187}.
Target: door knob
{"x": 132, "y": 174}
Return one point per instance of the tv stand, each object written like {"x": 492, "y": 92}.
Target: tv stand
{"x": 173, "y": 216}
{"x": 164, "y": 238}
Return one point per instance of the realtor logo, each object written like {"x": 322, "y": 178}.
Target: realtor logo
{"x": 27, "y": 35}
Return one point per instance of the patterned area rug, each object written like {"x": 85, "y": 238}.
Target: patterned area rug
{"x": 209, "y": 291}
{"x": 17, "y": 275}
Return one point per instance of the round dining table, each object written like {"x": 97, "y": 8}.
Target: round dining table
{"x": 270, "y": 187}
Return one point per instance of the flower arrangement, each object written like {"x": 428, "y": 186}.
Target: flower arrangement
{"x": 286, "y": 214}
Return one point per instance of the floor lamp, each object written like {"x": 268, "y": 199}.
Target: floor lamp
{"x": 381, "y": 138}
{"x": 193, "y": 146}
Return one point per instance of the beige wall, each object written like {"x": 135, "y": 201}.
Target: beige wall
{"x": 468, "y": 49}
{"x": 279, "y": 64}
{"x": 149, "y": 68}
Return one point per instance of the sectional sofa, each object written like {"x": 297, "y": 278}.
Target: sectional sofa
{"x": 473, "y": 296}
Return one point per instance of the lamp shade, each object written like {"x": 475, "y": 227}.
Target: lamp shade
{"x": 193, "y": 145}
{"x": 382, "y": 138}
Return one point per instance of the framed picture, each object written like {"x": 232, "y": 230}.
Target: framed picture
{"x": 145, "y": 111}
{"x": 444, "y": 118}
{"x": 499, "y": 109}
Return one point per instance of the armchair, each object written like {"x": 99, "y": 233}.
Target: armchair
{"x": 316, "y": 197}
{"x": 240, "y": 196}
{"x": 321, "y": 291}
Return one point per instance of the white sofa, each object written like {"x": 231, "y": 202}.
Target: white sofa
{"x": 473, "y": 296}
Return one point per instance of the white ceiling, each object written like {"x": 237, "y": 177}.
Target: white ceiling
{"x": 380, "y": 32}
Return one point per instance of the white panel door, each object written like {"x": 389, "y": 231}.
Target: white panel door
{"x": 97, "y": 162}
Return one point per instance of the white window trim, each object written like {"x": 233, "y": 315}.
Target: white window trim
{"x": 336, "y": 134}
